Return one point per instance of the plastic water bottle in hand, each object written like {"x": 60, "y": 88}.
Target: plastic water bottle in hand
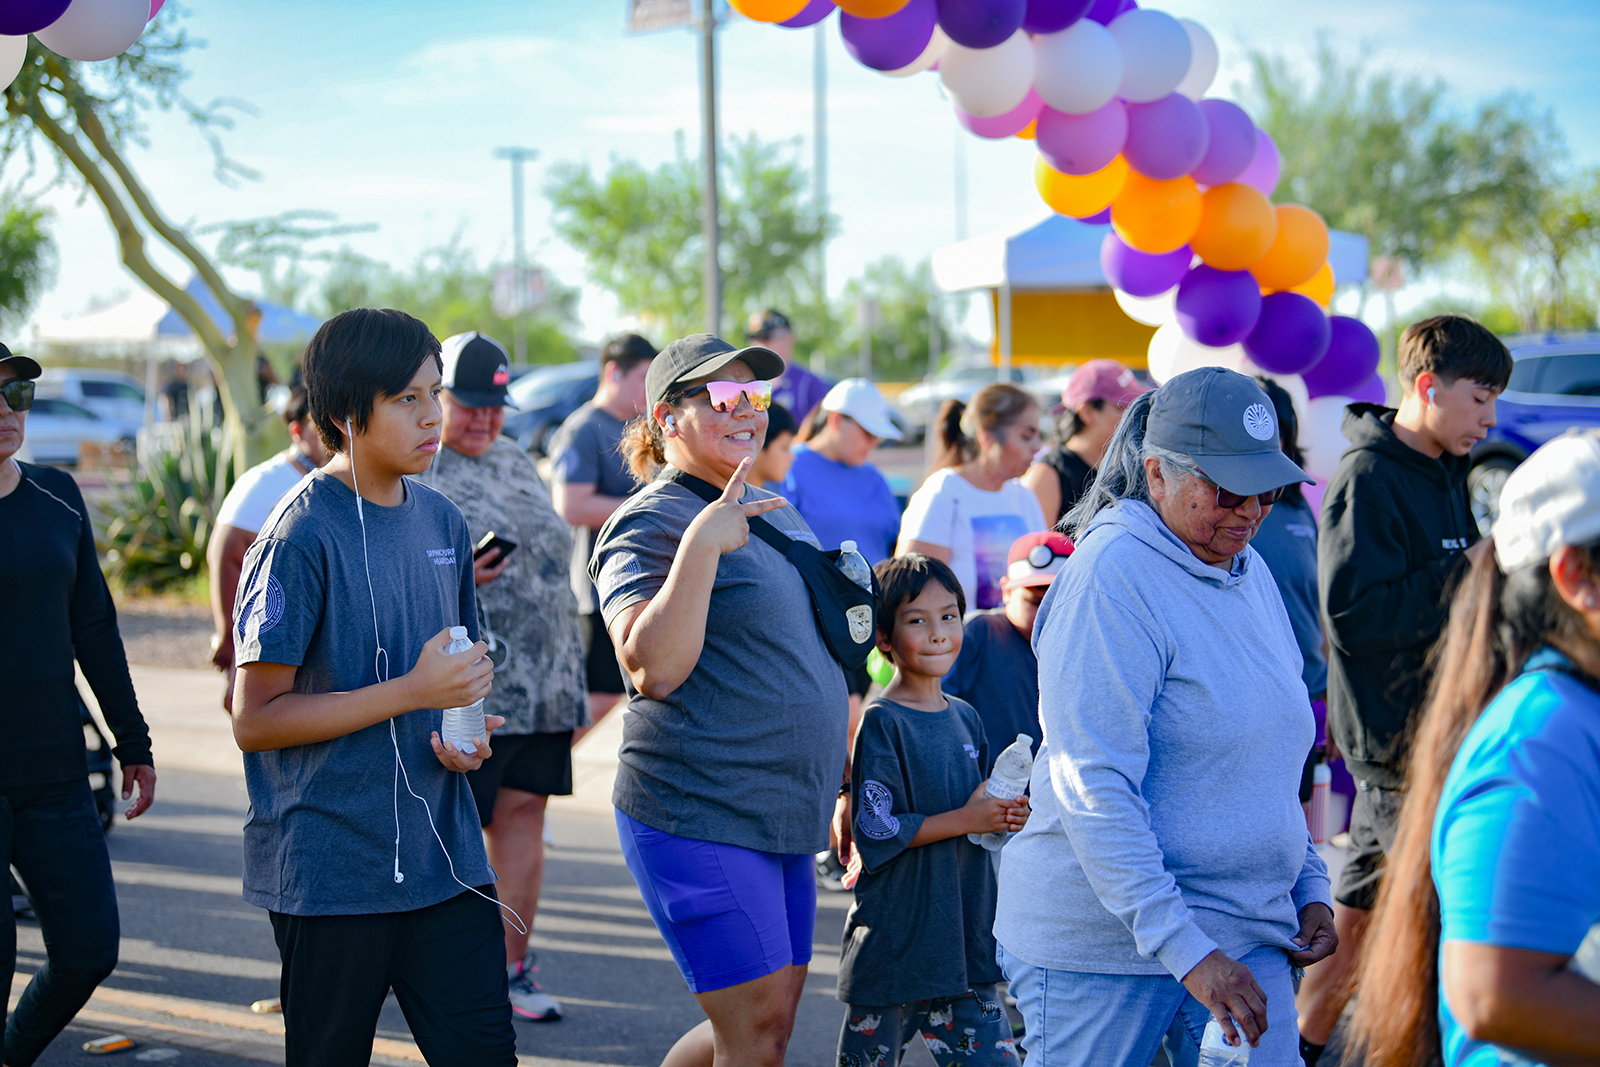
{"x": 1216, "y": 1052}
{"x": 1008, "y": 781}
{"x": 462, "y": 726}
{"x": 854, "y": 565}
{"x": 1586, "y": 961}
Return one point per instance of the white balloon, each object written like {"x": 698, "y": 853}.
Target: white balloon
{"x": 988, "y": 81}
{"x": 1202, "y": 62}
{"x": 92, "y": 30}
{"x": 1172, "y": 353}
{"x": 1292, "y": 384}
{"x": 13, "y": 51}
{"x": 930, "y": 55}
{"x": 1078, "y": 69}
{"x": 1155, "y": 54}
{"x": 1322, "y": 436}
{"x": 1155, "y": 310}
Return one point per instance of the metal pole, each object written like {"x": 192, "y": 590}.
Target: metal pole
{"x": 708, "y": 202}
{"x": 518, "y": 156}
{"x": 819, "y": 136}
{"x": 1004, "y": 316}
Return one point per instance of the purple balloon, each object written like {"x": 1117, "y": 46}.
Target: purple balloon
{"x": 1099, "y": 218}
{"x": 1166, "y": 138}
{"x": 1082, "y": 144}
{"x": 1291, "y": 335}
{"x": 1230, "y": 144}
{"x": 814, "y": 12}
{"x": 980, "y": 23}
{"x": 1052, "y": 16}
{"x": 1262, "y": 173}
{"x": 1103, "y": 11}
{"x": 1371, "y": 391}
{"x": 1218, "y": 307}
{"x": 18, "y": 17}
{"x": 1141, "y": 273}
{"x": 1351, "y": 359}
{"x": 892, "y": 42}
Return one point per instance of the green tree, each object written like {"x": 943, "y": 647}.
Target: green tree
{"x": 901, "y": 328}
{"x": 641, "y": 233}
{"x": 27, "y": 258}
{"x": 1542, "y": 264}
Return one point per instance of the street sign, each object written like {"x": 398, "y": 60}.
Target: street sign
{"x": 510, "y": 300}
{"x": 645, "y": 15}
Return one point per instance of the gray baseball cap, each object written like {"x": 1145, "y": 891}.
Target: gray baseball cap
{"x": 704, "y": 353}
{"x": 1225, "y": 423}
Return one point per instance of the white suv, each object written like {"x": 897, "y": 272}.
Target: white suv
{"x": 116, "y": 397}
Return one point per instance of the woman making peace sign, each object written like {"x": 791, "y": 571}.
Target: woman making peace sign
{"x": 734, "y": 738}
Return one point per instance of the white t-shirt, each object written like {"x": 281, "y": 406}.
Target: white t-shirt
{"x": 258, "y": 491}
{"x": 978, "y": 526}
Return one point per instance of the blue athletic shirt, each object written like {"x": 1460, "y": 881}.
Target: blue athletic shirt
{"x": 1516, "y": 843}
{"x": 844, "y": 503}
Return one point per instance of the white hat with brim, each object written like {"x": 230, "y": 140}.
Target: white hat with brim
{"x": 861, "y": 400}
{"x": 1552, "y": 500}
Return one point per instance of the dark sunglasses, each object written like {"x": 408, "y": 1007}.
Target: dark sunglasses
{"x": 1228, "y": 501}
{"x": 725, "y": 395}
{"x": 18, "y": 394}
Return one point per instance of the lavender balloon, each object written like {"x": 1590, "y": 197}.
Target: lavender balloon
{"x": 1218, "y": 307}
{"x": 1351, "y": 359}
{"x": 1291, "y": 335}
{"x": 892, "y": 42}
{"x": 1230, "y": 145}
{"x": 1141, "y": 273}
{"x": 1262, "y": 173}
{"x": 814, "y": 12}
{"x": 1082, "y": 144}
{"x": 1167, "y": 138}
{"x": 981, "y": 23}
{"x": 1052, "y": 16}
{"x": 18, "y": 17}
{"x": 1104, "y": 11}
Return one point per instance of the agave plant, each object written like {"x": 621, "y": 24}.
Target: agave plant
{"x": 155, "y": 533}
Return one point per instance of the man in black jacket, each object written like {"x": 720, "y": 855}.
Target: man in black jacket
{"x": 1395, "y": 527}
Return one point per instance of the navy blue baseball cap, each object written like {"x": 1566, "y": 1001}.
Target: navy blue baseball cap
{"x": 1225, "y": 423}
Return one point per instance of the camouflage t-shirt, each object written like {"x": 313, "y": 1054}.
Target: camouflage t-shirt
{"x": 529, "y": 609}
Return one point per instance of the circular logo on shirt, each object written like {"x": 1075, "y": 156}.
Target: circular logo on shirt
{"x": 264, "y": 607}
{"x": 1259, "y": 423}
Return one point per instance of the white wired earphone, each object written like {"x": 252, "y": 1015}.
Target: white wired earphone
{"x": 380, "y": 667}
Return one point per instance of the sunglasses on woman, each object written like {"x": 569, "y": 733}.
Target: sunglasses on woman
{"x": 724, "y": 396}
{"x": 18, "y": 394}
{"x": 1228, "y": 501}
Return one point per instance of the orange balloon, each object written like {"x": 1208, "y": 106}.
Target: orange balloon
{"x": 1299, "y": 249}
{"x": 1237, "y": 225}
{"x": 1320, "y": 287}
{"x": 1029, "y": 132}
{"x": 768, "y": 10}
{"x": 870, "y": 9}
{"x": 1079, "y": 195}
{"x": 1156, "y": 216}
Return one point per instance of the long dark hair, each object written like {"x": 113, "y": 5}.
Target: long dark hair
{"x": 1288, "y": 432}
{"x": 994, "y": 409}
{"x": 1496, "y": 622}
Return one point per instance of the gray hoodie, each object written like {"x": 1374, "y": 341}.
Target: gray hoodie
{"x": 1166, "y": 817}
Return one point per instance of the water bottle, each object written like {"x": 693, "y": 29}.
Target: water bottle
{"x": 854, "y": 565}
{"x": 461, "y": 725}
{"x": 1008, "y": 781}
{"x": 1586, "y": 961}
{"x": 1216, "y": 1052}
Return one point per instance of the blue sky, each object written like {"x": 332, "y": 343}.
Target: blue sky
{"x": 387, "y": 112}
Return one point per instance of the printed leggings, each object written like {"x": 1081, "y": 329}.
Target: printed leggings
{"x": 966, "y": 1031}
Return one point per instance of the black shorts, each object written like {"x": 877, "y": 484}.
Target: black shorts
{"x": 1373, "y": 818}
{"x": 604, "y": 673}
{"x": 533, "y": 763}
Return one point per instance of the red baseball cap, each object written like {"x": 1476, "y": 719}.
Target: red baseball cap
{"x": 1102, "y": 379}
{"x": 1036, "y": 559}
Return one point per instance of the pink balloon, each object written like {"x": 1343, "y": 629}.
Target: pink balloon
{"x": 1082, "y": 144}
{"x": 157, "y": 5}
{"x": 1010, "y": 124}
{"x": 1167, "y": 138}
{"x": 1265, "y": 166}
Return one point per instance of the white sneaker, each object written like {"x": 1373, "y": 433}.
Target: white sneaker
{"x": 528, "y": 1001}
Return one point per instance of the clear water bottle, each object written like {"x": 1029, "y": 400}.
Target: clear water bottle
{"x": 1008, "y": 781}
{"x": 854, "y": 565}
{"x": 462, "y": 726}
{"x": 1586, "y": 961}
{"x": 1216, "y": 1052}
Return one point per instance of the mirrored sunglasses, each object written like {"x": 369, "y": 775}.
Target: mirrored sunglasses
{"x": 724, "y": 396}
{"x": 1228, "y": 501}
{"x": 18, "y": 394}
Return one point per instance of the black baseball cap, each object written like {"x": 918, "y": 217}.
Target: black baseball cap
{"x": 26, "y": 369}
{"x": 703, "y": 353}
{"x": 1225, "y": 423}
{"x": 477, "y": 370}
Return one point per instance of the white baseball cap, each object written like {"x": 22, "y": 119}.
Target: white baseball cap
{"x": 1552, "y": 500}
{"x": 861, "y": 400}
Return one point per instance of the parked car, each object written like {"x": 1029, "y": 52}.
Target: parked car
{"x": 544, "y": 398}
{"x": 116, "y": 397}
{"x": 1555, "y": 386}
{"x": 57, "y": 430}
{"x": 920, "y": 404}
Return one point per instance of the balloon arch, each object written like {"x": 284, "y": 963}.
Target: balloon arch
{"x": 86, "y": 30}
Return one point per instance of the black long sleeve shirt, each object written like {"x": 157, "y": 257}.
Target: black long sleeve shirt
{"x": 54, "y": 607}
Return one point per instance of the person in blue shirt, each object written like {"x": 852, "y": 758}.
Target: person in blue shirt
{"x": 841, "y": 496}
{"x": 1494, "y": 880}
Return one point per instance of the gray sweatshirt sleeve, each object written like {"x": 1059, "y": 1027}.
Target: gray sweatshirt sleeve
{"x": 1101, "y": 669}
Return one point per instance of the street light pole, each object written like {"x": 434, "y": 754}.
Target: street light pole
{"x": 709, "y": 201}
{"x": 518, "y": 156}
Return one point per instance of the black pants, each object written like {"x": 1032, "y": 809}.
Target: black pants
{"x": 446, "y": 965}
{"x": 52, "y": 835}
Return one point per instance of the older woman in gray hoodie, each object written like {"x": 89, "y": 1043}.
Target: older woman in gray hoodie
{"x": 1166, "y": 876}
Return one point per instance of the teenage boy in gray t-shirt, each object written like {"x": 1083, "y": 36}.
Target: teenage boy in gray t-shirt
{"x": 362, "y": 841}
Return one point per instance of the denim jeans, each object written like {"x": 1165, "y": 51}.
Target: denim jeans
{"x": 1082, "y": 1019}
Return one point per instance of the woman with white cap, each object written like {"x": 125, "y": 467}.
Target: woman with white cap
{"x": 1094, "y": 399}
{"x": 841, "y": 496}
{"x": 1167, "y": 875}
{"x": 1490, "y": 913}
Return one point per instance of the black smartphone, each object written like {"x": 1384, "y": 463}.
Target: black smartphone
{"x": 493, "y": 543}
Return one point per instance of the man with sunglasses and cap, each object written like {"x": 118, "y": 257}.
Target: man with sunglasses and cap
{"x": 796, "y": 388}
{"x": 55, "y": 609}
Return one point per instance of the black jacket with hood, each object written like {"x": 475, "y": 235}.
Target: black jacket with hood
{"x": 1393, "y": 529}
